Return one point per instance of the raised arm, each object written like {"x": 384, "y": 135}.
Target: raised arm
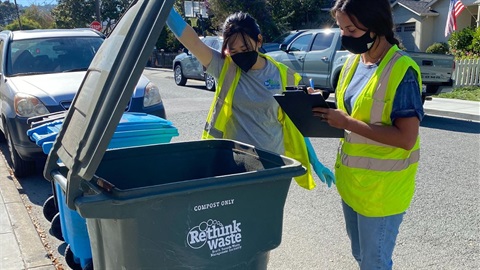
{"x": 189, "y": 38}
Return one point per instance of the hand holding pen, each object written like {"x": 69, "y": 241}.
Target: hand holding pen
{"x": 311, "y": 90}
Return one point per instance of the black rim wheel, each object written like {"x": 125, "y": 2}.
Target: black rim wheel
{"x": 56, "y": 228}
{"x": 50, "y": 208}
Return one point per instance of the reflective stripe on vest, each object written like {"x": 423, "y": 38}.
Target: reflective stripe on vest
{"x": 376, "y": 113}
{"x": 226, "y": 79}
{"x": 221, "y": 109}
{"x": 227, "y": 83}
{"x": 384, "y": 165}
{"x": 378, "y": 105}
{"x": 373, "y": 178}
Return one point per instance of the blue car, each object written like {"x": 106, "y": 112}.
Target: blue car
{"x": 40, "y": 73}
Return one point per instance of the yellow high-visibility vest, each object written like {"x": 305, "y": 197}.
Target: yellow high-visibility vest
{"x": 376, "y": 179}
{"x": 221, "y": 111}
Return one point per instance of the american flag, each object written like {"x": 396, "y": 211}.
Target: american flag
{"x": 456, "y": 7}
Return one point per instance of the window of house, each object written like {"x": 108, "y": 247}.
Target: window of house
{"x": 409, "y": 28}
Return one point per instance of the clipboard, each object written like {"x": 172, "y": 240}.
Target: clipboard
{"x": 298, "y": 106}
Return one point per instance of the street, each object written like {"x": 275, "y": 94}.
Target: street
{"x": 440, "y": 230}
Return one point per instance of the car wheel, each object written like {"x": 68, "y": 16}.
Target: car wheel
{"x": 19, "y": 166}
{"x": 209, "y": 82}
{"x": 178, "y": 75}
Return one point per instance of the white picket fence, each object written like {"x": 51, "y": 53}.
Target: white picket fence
{"x": 467, "y": 73}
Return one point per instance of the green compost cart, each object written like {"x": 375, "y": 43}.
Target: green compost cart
{"x": 212, "y": 204}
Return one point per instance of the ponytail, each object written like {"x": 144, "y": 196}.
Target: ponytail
{"x": 392, "y": 39}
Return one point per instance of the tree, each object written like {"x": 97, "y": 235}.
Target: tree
{"x": 8, "y": 13}
{"x": 301, "y": 14}
{"x": 275, "y": 16}
{"x": 111, "y": 11}
{"x": 258, "y": 9}
{"x": 44, "y": 19}
{"x": 27, "y": 24}
{"x": 74, "y": 13}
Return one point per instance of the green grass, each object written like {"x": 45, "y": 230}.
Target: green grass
{"x": 471, "y": 93}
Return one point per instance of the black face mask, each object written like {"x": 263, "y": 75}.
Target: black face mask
{"x": 358, "y": 45}
{"x": 245, "y": 60}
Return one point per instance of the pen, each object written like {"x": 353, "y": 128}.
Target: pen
{"x": 311, "y": 83}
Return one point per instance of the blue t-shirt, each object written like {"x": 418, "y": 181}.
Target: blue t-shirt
{"x": 408, "y": 98}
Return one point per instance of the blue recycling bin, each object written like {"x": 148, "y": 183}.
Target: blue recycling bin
{"x": 134, "y": 129}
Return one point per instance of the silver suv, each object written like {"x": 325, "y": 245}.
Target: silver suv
{"x": 40, "y": 73}
{"x": 186, "y": 65}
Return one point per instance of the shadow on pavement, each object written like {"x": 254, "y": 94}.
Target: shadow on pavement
{"x": 199, "y": 87}
{"x": 35, "y": 186}
{"x": 451, "y": 124}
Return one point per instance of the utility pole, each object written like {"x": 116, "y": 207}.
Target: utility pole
{"x": 97, "y": 10}
{"x": 18, "y": 15}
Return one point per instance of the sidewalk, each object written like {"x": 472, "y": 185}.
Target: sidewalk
{"x": 22, "y": 248}
{"x": 20, "y": 244}
{"x": 455, "y": 108}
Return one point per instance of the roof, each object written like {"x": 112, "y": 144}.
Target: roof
{"x": 46, "y": 33}
{"x": 419, "y": 7}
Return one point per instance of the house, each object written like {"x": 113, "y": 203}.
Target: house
{"x": 421, "y": 23}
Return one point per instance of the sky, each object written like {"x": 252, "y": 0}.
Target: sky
{"x": 36, "y": 2}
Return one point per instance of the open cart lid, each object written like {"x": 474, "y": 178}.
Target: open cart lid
{"x": 106, "y": 90}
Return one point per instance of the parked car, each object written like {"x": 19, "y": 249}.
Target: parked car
{"x": 318, "y": 55}
{"x": 186, "y": 65}
{"x": 40, "y": 73}
{"x": 283, "y": 39}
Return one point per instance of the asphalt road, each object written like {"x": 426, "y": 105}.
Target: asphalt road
{"x": 440, "y": 230}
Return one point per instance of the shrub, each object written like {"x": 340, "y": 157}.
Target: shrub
{"x": 438, "y": 48}
{"x": 27, "y": 24}
{"x": 476, "y": 42}
{"x": 461, "y": 41}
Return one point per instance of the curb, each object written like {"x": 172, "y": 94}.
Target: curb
{"x": 24, "y": 246}
{"x": 453, "y": 108}
{"x": 458, "y": 115}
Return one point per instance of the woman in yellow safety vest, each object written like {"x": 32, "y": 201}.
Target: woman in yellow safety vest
{"x": 379, "y": 105}
{"x": 244, "y": 108}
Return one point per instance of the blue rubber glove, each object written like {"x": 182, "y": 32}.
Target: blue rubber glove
{"x": 176, "y": 23}
{"x": 323, "y": 172}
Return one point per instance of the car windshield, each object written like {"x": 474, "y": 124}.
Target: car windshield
{"x": 51, "y": 55}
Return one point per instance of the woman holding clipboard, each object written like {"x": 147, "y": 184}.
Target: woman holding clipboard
{"x": 379, "y": 105}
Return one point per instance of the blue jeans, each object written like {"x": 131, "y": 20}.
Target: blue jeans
{"x": 372, "y": 238}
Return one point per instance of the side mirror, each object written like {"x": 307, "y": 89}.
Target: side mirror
{"x": 284, "y": 47}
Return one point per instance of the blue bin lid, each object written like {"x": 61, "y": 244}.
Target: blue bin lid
{"x": 104, "y": 93}
{"x": 133, "y": 129}
{"x": 142, "y": 121}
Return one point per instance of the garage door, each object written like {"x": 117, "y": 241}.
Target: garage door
{"x": 406, "y": 34}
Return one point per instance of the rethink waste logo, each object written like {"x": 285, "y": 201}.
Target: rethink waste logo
{"x": 219, "y": 238}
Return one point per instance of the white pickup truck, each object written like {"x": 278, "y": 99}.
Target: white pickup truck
{"x": 318, "y": 55}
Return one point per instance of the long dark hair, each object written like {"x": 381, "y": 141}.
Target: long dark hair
{"x": 375, "y": 15}
{"x": 243, "y": 24}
